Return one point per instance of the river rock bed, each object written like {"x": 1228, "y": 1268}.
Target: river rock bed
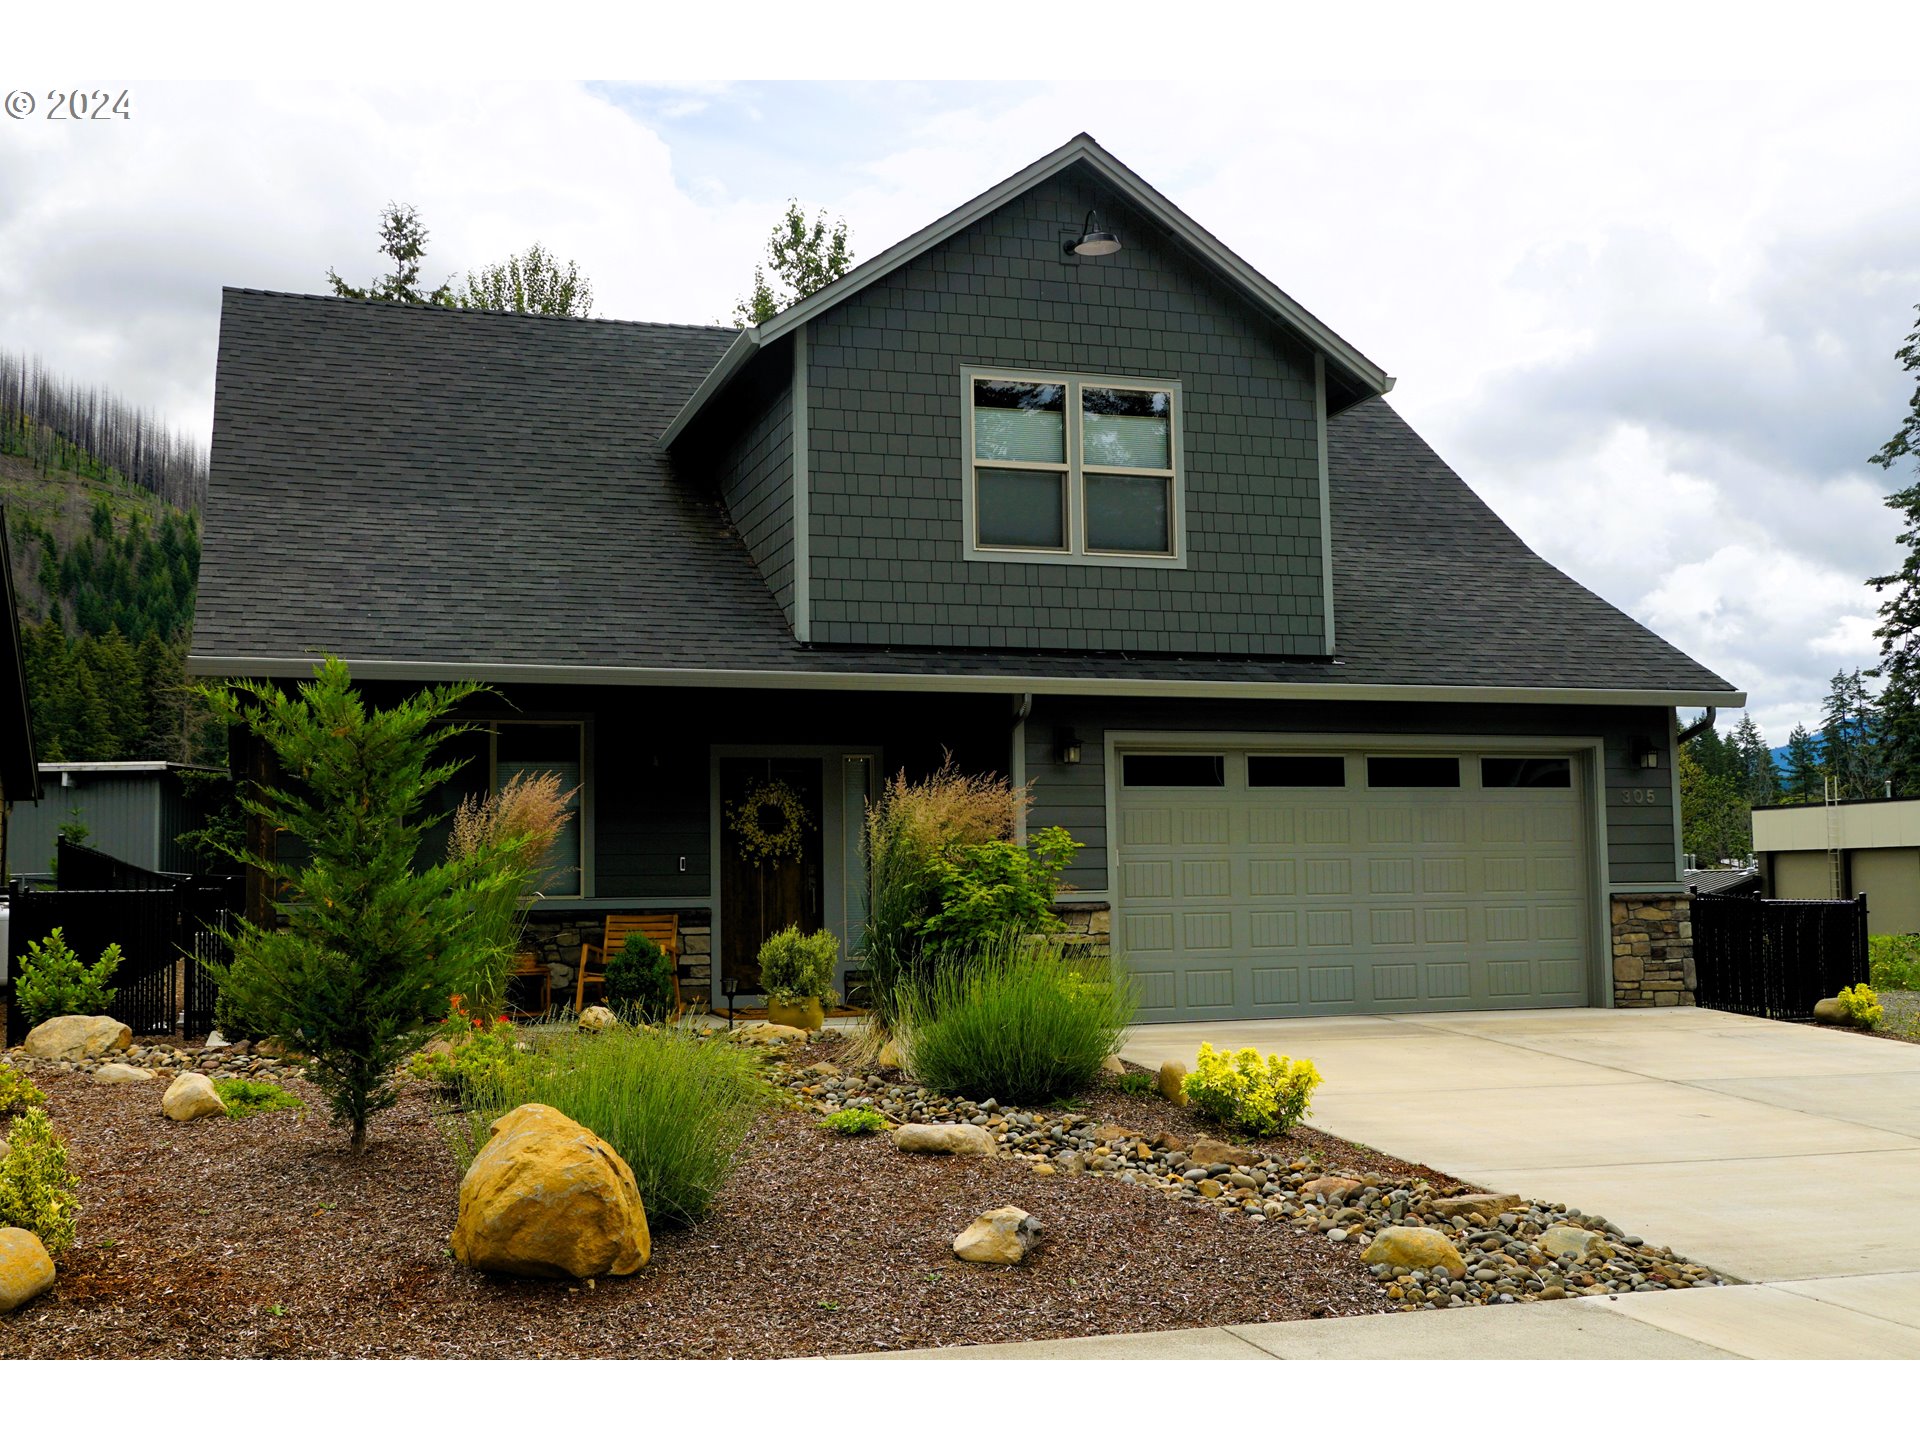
{"x": 168, "y": 1060}
{"x": 1510, "y": 1250}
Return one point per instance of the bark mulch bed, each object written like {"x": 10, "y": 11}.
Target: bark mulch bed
{"x": 264, "y": 1237}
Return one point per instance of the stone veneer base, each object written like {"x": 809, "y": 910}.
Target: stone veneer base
{"x": 1652, "y": 950}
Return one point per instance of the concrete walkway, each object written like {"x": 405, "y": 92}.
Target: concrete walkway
{"x": 1783, "y": 1155}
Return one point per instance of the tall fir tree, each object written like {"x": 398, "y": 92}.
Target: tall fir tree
{"x": 1850, "y": 738}
{"x": 1802, "y": 781}
{"x": 1763, "y": 780}
{"x": 1899, "y": 630}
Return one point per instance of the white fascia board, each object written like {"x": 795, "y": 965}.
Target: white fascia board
{"x": 736, "y": 355}
{"x": 278, "y": 666}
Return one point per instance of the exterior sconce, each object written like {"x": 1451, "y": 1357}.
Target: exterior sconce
{"x": 1066, "y": 747}
{"x": 1093, "y": 239}
{"x": 1645, "y": 755}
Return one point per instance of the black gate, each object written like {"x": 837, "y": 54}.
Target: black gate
{"x": 1775, "y": 958}
{"x": 166, "y": 926}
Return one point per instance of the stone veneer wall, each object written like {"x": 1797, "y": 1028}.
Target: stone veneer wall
{"x": 1653, "y": 950}
{"x": 1089, "y": 925}
{"x": 558, "y": 937}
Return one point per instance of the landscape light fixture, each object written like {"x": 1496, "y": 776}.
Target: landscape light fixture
{"x": 1066, "y": 746}
{"x": 1094, "y": 239}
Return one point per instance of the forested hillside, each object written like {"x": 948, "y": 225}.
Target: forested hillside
{"x": 105, "y": 561}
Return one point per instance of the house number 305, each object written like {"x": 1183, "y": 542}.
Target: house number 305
{"x": 1640, "y": 797}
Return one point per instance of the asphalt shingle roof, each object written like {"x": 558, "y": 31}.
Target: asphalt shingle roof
{"x": 464, "y": 490}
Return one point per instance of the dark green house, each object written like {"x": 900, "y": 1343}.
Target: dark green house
{"x": 1058, "y": 485}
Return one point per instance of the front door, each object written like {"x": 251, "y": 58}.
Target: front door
{"x": 771, "y": 829}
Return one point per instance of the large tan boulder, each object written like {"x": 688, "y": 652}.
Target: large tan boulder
{"x": 547, "y": 1197}
{"x": 890, "y": 1056}
{"x": 77, "y": 1037}
{"x": 1334, "y": 1189}
{"x": 1417, "y": 1248}
{"x": 759, "y": 1032}
{"x": 944, "y": 1139}
{"x": 191, "y": 1097}
{"x": 26, "y": 1269}
{"x": 1172, "y": 1082}
{"x": 999, "y": 1237}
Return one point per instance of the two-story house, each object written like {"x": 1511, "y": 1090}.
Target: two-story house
{"x": 1059, "y": 485}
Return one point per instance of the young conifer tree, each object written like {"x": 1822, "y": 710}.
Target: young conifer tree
{"x": 368, "y": 944}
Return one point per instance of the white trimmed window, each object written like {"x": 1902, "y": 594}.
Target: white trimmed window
{"x": 1073, "y": 468}
{"x": 538, "y": 747}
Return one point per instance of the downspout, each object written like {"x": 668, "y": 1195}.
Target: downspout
{"x": 1699, "y": 727}
{"x": 1017, "y": 771}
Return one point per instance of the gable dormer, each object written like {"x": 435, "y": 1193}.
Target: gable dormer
{"x": 1000, "y": 436}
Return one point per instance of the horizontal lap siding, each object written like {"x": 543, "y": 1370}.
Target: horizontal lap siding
{"x": 1640, "y": 837}
{"x": 888, "y": 452}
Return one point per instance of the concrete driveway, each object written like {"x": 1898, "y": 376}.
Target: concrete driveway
{"x": 1780, "y": 1154}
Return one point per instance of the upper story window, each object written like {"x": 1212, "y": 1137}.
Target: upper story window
{"x": 1077, "y": 469}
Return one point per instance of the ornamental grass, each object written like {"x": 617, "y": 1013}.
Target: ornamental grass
{"x": 1019, "y": 1022}
{"x": 674, "y": 1104}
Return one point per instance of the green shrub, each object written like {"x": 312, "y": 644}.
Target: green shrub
{"x": 255, "y": 1097}
{"x": 985, "y": 889}
{"x": 1240, "y": 1089}
{"x": 37, "y": 1189}
{"x": 478, "y": 1058}
{"x": 54, "y": 982}
{"x": 640, "y": 977}
{"x": 673, "y": 1103}
{"x": 1862, "y": 1006}
{"x": 1136, "y": 1082}
{"x": 857, "y": 1121}
{"x": 17, "y": 1093}
{"x": 797, "y": 966}
{"x": 1015, "y": 1022}
{"x": 1894, "y": 962}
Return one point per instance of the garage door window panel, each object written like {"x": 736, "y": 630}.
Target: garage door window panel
{"x": 1173, "y": 772}
{"x": 1413, "y": 772}
{"x": 1296, "y": 772}
{"x": 1526, "y": 772}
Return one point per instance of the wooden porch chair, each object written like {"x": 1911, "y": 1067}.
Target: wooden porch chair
{"x": 663, "y": 930}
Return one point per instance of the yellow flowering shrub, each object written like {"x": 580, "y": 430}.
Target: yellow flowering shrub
{"x": 1862, "y": 1006}
{"x": 36, "y": 1184}
{"x": 1265, "y": 1096}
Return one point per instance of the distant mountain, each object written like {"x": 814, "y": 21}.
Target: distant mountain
{"x": 1779, "y": 753}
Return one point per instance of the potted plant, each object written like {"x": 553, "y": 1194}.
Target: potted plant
{"x": 796, "y": 976}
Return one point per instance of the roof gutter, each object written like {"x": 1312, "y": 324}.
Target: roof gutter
{"x": 1702, "y": 725}
{"x": 301, "y": 666}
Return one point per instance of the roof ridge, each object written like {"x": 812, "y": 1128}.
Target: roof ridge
{"x": 468, "y": 310}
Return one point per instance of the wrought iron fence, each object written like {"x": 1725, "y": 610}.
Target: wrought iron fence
{"x": 166, "y": 926}
{"x": 1776, "y": 958}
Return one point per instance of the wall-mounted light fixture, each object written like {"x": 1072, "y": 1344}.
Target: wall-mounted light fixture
{"x": 1094, "y": 239}
{"x": 1066, "y": 746}
{"x": 1646, "y": 754}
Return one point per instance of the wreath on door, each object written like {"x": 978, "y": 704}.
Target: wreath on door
{"x": 769, "y": 822}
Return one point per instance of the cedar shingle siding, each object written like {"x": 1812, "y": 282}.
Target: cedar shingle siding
{"x": 888, "y": 452}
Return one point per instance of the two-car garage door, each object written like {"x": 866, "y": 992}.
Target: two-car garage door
{"x": 1260, "y": 882}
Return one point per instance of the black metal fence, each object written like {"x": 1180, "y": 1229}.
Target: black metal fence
{"x": 167, "y": 927}
{"x": 1775, "y": 958}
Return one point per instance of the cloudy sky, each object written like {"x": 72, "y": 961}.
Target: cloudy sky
{"x": 1644, "y": 298}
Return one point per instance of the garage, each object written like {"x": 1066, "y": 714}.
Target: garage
{"x": 1261, "y": 882}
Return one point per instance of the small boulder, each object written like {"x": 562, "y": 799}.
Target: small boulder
{"x": 1000, "y": 1237}
{"x": 1172, "y": 1082}
{"x": 596, "y": 1018}
{"x": 944, "y": 1140}
{"x": 1455, "y": 1207}
{"x": 890, "y": 1057}
{"x": 547, "y": 1197}
{"x": 77, "y": 1037}
{"x": 1107, "y": 1134}
{"x": 26, "y": 1270}
{"x": 1831, "y": 1012}
{"x": 216, "y": 1041}
{"x": 114, "y": 1073}
{"x": 1417, "y": 1248}
{"x": 1333, "y": 1189}
{"x": 760, "y": 1032}
{"x": 1112, "y": 1066}
{"x": 1217, "y": 1152}
{"x": 1569, "y": 1242}
{"x": 192, "y": 1097}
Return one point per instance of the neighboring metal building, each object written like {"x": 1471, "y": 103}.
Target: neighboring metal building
{"x": 1828, "y": 852}
{"x": 134, "y": 810}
